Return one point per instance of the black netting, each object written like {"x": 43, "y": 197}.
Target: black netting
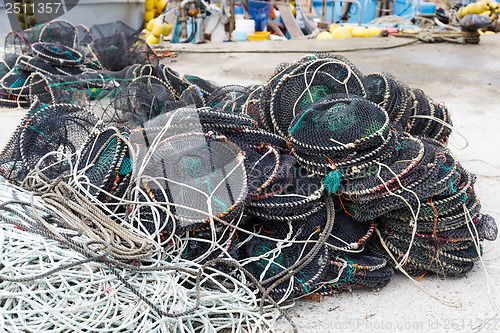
{"x": 428, "y": 254}
{"x": 430, "y": 119}
{"x": 107, "y": 29}
{"x": 106, "y": 162}
{"x": 339, "y": 123}
{"x": 59, "y": 32}
{"x": 348, "y": 234}
{"x": 36, "y": 65}
{"x": 57, "y": 54}
{"x": 307, "y": 84}
{"x": 351, "y": 271}
{"x": 271, "y": 256}
{"x": 205, "y": 86}
{"x": 119, "y": 50}
{"x": 301, "y": 197}
{"x": 228, "y": 98}
{"x": 251, "y": 138}
{"x": 200, "y": 175}
{"x": 58, "y": 130}
{"x": 141, "y": 100}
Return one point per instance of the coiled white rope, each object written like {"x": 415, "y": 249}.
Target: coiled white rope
{"x": 89, "y": 298}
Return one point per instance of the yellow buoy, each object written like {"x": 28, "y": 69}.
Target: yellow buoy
{"x": 167, "y": 29}
{"x": 160, "y": 6}
{"x": 157, "y": 27}
{"x": 341, "y": 32}
{"x": 149, "y": 5}
{"x": 358, "y": 31}
{"x": 333, "y": 27}
{"x": 149, "y": 15}
{"x": 349, "y": 27}
{"x": 294, "y": 11}
{"x": 324, "y": 35}
{"x": 475, "y": 8}
{"x": 150, "y": 25}
{"x": 152, "y": 39}
{"x": 372, "y": 31}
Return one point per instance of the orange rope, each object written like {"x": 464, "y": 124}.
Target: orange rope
{"x": 267, "y": 232}
{"x": 421, "y": 276}
{"x": 343, "y": 207}
{"x": 429, "y": 200}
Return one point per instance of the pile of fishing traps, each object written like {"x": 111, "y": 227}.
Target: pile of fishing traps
{"x": 321, "y": 179}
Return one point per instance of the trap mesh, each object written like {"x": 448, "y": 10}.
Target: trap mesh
{"x": 306, "y": 84}
{"x": 352, "y": 271}
{"x": 59, "y": 32}
{"x": 427, "y": 254}
{"x": 270, "y": 257}
{"x": 228, "y": 98}
{"x": 339, "y": 123}
{"x": 117, "y": 51}
{"x": 194, "y": 176}
{"x": 57, "y": 54}
{"x": 46, "y": 139}
{"x": 143, "y": 99}
{"x": 106, "y": 162}
{"x": 302, "y": 197}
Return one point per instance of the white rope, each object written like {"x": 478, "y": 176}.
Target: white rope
{"x": 414, "y": 214}
{"x": 445, "y": 124}
{"x": 489, "y": 280}
{"x": 89, "y": 298}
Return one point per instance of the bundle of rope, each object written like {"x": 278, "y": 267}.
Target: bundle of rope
{"x": 61, "y": 280}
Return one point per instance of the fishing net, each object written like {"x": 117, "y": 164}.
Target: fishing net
{"x": 301, "y": 198}
{"x": 107, "y": 29}
{"x": 18, "y": 42}
{"x": 409, "y": 109}
{"x": 441, "y": 204}
{"x": 349, "y": 235}
{"x": 141, "y": 100}
{"x": 57, "y": 54}
{"x": 36, "y": 65}
{"x": 143, "y": 296}
{"x": 251, "y": 138}
{"x": 272, "y": 176}
{"x": 106, "y": 162}
{"x": 339, "y": 123}
{"x": 59, "y": 32}
{"x": 270, "y": 258}
{"x": 14, "y": 89}
{"x": 206, "y": 87}
{"x": 221, "y": 200}
{"x": 117, "y": 51}
{"x": 194, "y": 176}
{"x": 351, "y": 164}
{"x": 398, "y": 199}
{"x": 46, "y": 139}
{"x": 266, "y": 91}
{"x": 228, "y": 99}
{"x": 262, "y": 165}
{"x": 428, "y": 254}
{"x": 430, "y": 119}
{"x": 189, "y": 119}
{"x": 306, "y": 84}
{"x": 350, "y": 271}
{"x": 176, "y": 83}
